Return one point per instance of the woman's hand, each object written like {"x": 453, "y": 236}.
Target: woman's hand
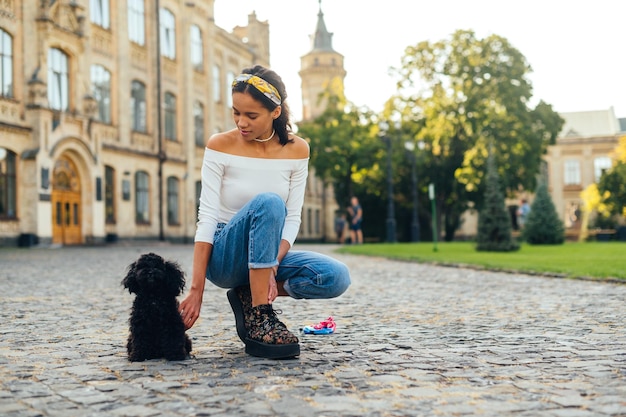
{"x": 189, "y": 309}
{"x": 272, "y": 292}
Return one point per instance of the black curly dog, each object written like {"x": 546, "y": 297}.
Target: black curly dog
{"x": 156, "y": 328}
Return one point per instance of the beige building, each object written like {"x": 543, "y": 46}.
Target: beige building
{"x": 104, "y": 111}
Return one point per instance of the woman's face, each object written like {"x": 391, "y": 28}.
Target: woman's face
{"x": 253, "y": 120}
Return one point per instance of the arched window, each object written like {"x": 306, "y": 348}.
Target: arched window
{"x": 170, "y": 116}
{"x": 101, "y": 90}
{"x": 8, "y": 193}
{"x": 58, "y": 80}
{"x": 198, "y": 123}
{"x": 172, "y": 201}
{"x": 168, "y": 34}
{"x": 6, "y": 64}
{"x": 99, "y": 13}
{"x": 217, "y": 84}
{"x": 197, "y": 58}
{"x": 142, "y": 197}
{"x": 230, "y": 77}
{"x": 136, "y": 21}
{"x": 138, "y": 106}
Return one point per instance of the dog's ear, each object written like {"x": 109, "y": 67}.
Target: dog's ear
{"x": 130, "y": 280}
{"x": 176, "y": 277}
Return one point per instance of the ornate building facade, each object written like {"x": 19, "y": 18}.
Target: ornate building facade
{"x": 105, "y": 108}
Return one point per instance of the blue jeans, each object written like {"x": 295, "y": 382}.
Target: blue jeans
{"x": 250, "y": 240}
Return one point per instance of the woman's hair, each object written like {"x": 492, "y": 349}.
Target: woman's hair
{"x": 282, "y": 125}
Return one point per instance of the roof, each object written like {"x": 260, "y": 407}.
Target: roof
{"x": 590, "y": 123}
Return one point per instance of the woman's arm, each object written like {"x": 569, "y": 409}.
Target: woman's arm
{"x": 190, "y": 307}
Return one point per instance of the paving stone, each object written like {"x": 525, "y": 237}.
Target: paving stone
{"x": 412, "y": 339}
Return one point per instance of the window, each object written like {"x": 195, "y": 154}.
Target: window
{"x": 142, "y": 195}
{"x": 136, "y": 22}
{"x": 572, "y": 172}
{"x": 6, "y": 64}
{"x": 99, "y": 12}
{"x": 101, "y": 90}
{"x": 58, "y": 80}
{"x": 109, "y": 194}
{"x": 8, "y": 202}
{"x": 230, "y": 77}
{"x": 170, "y": 116}
{"x": 172, "y": 200}
{"x": 600, "y": 166}
{"x": 217, "y": 84}
{"x": 197, "y": 59}
{"x": 168, "y": 34}
{"x": 138, "y": 106}
{"x": 198, "y": 123}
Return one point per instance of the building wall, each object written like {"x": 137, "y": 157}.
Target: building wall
{"x": 43, "y": 138}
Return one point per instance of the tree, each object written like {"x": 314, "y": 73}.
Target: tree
{"x": 462, "y": 94}
{"x": 543, "y": 225}
{"x": 494, "y": 222}
{"x": 344, "y": 148}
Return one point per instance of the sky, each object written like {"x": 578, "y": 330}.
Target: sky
{"x": 576, "y": 48}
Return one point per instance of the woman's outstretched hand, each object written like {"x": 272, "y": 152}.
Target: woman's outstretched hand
{"x": 189, "y": 309}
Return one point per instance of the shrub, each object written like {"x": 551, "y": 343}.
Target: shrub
{"x": 494, "y": 221}
{"x": 543, "y": 225}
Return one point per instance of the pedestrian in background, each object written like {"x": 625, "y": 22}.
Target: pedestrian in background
{"x": 340, "y": 227}
{"x": 522, "y": 213}
{"x": 356, "y": 219}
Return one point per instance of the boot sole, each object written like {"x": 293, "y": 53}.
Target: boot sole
{"x": 235, "y": 304}
{"x": 272, "y": 351}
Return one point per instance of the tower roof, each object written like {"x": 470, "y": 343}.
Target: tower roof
{"x": 322, "y": 39}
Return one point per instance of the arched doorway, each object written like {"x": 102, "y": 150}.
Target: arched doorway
{"x": 66, "y": 203}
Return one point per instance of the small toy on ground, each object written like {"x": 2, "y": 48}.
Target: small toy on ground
{"x": 327, "y": 326}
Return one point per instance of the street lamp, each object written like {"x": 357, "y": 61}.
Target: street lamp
{"x": 391, "y": 221}
{"x": 415, "y": 225}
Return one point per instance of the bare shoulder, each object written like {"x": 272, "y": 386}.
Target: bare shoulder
{"x": 299, "y": 147}
{"x": 222, "y": 141}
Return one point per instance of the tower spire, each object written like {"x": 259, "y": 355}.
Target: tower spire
{"x": 321, "y": 39}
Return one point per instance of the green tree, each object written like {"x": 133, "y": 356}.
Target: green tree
{"x": 460, "y": 95}
{"x": 614, "y": 182}
{"x": 494, "y": 222}
{"x": 543, "y": 225}
{"x": 344, "y": 148}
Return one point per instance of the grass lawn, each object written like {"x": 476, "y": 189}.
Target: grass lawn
{"x": 599, "y": 260}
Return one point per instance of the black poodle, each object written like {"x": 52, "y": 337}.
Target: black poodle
{"x": 156, "y": 328}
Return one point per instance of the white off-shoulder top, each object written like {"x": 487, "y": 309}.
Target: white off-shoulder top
{"x": 230, "y": 181}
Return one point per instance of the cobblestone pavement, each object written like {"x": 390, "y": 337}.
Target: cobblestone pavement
{"x": 412, "y": 340}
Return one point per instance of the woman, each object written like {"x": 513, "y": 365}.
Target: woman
{"x": 253, "y": 183}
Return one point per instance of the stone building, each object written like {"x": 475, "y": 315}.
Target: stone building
{"x": 578, "y": 159}
{"x": 105, "y": 108}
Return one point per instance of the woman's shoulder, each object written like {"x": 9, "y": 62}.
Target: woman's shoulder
{"x": 300, "y": 147}
{"x": 222, "y": 141}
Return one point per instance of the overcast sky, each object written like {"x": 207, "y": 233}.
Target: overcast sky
{"x": 576, "y": 48}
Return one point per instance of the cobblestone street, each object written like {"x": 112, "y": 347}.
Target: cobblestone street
{"x": 411, "y": 340}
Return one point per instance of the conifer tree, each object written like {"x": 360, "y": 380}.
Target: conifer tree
{"x": 494, "y": 221}
{"x": 543, "y": 225}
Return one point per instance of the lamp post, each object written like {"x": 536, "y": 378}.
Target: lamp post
{"x": 415, "y": 225}
{"x": 391, "y": 221}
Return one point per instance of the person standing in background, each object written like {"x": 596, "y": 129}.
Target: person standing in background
{"x": 356, "y": 220}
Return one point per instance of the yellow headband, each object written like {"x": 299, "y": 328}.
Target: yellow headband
{"x": 260, "y": 84}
